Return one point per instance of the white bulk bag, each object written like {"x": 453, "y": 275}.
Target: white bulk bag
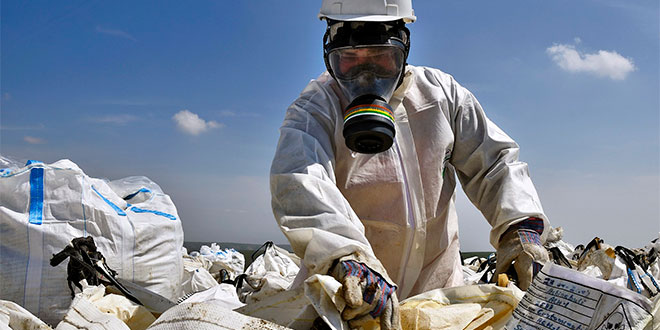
{"x": 13, "y": 316}
{"x": 222, "y": 294}
{"x": 270, "y": 273}
{"x": 208, "y": 316}
{"x": 228, "y": 259}
{"x": 43, "y": 207}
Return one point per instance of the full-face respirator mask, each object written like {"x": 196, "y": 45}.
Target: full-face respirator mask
{"x": 367, "y": 59}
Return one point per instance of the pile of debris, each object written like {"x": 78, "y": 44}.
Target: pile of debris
{"x": 636, "y": 269}
{"x": 118, "y": 247}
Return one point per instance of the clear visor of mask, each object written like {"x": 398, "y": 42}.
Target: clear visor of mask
{"x": 367, "y": 70}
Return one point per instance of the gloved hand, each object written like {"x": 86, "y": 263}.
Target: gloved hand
{"x": 368, "y": 296}
{"x": 522, "y": 243}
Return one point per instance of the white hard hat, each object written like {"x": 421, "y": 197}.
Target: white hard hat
{"x": 368, "y": 10}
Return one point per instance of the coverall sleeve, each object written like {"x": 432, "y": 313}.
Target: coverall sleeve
{"x": 487, "y": 165}
{"x": 309, "y": 208}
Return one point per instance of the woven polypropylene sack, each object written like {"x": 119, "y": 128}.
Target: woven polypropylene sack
{"x": 208, "y": 316}
{"x": 43, "y": 207}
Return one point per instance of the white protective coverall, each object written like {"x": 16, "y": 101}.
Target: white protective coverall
{"x": 396, "y": 208}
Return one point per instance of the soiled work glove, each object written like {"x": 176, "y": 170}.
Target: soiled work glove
{"x": 368, "y": 296}
{"x": 521, "y": 245}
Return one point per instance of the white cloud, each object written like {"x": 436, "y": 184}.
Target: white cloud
{"x": 602, "y": 63}
{"x": 33, "y": 140}
{"x": 190, "y": 123}
{"x": 115, "y": 33}
{"x": 121, "y": 119}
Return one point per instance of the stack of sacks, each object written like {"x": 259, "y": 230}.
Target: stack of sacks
{"x": 228, "y": 259}
{"x": 600, "y": 260}
{"x": 204, "y": 269}
{"x": 597, "y": 260}
{"x": 91, "y": 309}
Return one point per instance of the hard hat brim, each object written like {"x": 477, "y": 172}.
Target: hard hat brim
{"x": 368, "y": 18}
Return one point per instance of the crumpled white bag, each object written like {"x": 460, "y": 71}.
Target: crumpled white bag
{"x": 463, "y": 307}
{"x": 270, "y": 273}
{"x": 287, "y": 308}
{"x": 222, "y": 294}
{"x": 196, "y": 276}
{"x": 93, "y": 309}
{"x": 15, "y": 317}
{"x": 471, "y": 277}
{"x": 45, "y": 206}
{"x": 602, "y": 258}
{"x": 202, "y": 270}
{"x": 228, "y": 259}
{"x": 208, "y": 316}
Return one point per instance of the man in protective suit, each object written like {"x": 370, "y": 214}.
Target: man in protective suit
{"x": 363, "y": 179}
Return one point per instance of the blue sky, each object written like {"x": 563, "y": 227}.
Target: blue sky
{"x": 192, "y": 95}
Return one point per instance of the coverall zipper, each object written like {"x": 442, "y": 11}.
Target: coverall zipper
{"x": 411, "y": 216}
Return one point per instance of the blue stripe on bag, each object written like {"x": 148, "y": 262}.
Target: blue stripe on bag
{"x": 114, "y": 207}
{"x": 36, "y": 196}
{"x": 144, "y": 190}
{"x": 139, "y": 210}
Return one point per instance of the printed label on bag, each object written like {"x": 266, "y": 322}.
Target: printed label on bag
{"x": 560, "y": 298}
